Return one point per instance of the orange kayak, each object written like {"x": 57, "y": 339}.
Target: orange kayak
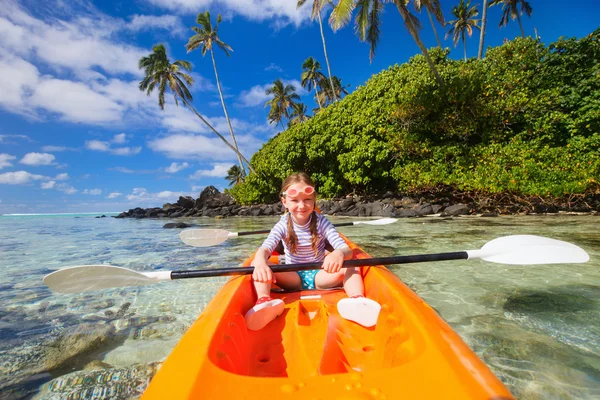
{"x": 310, "y": 352}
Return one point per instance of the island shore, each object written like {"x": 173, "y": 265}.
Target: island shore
{"x": 212, "y": 203}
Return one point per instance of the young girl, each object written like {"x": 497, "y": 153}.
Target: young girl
{"x": 304, "y": 233}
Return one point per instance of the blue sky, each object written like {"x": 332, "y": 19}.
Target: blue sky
{"x": 77, "y": 135}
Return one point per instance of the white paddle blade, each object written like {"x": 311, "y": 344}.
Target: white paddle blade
{"x": 382, "y": 221}
{"x": 85, "y": 278}
{"x": 204, "y": 237}
{"x": 529, "y": 250}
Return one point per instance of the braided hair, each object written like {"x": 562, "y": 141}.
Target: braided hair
{"x": 291, "y": 240}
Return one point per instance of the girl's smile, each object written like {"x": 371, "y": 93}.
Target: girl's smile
{"x": 299, "y": 199}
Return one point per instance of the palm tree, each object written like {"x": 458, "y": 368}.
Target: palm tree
{"x": 368, "y": 21}
{"x": 316, "y": 13}
{"x": 206, "y": 36}
{"x": 311, "y": 75}
{"x": 432, "y": 7}
{"x": 337, "y": 91}
{"x": 284, "y": 98}
{"x": 298, "y": 114}
{"x": 235, "y": 175}
{"x": 482, "y": 33}
{"x": 161, "y": 73}
{"x": 510, "y": 10}
{"x": 464, "y": 23}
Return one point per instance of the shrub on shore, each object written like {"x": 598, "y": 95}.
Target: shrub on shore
{"x": 523, "y": 120}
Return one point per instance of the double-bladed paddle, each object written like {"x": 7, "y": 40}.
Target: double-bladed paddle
{"x": 516, "y": 250}
{"x": 212, "y": 237}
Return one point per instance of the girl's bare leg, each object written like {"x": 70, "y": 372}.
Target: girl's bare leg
{"x": 350, "y": 277}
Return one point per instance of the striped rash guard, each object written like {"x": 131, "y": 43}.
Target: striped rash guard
{"x": 305, "y": 253}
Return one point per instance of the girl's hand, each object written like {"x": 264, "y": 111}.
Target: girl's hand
{"x": 262, "y": 273}
{"x": 333, "y": 261}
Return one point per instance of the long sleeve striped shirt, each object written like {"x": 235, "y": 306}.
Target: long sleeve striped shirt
{"x": 304, "y": 253}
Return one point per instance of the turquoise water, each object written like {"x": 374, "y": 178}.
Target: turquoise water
{"x": 537, "y": 327}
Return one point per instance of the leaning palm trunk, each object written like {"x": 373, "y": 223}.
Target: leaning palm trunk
{"x": 212, "y": 54}
{"x": 218, "y": 134}
{"x": 434, "y": 30}
{"x": 482, "y": 33}
{"x": 520, "y": 24}
{"x": 464, "y": 38}
{"x": 413, "y": 32}
{"x": 318, "y": 94}
{"x": 326, "y": 57}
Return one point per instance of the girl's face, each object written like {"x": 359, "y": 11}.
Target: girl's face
{"x": 299, "y": 199}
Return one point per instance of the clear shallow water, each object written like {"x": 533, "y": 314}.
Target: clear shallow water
{"x": 537, "y": 327}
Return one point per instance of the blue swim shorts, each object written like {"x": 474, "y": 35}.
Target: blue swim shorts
{"x": 308, "y": 278}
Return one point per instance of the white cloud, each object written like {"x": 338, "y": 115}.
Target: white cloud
{"x": 62, "y": 177}
{"x": 282, "y": 12}
{"x": 97, "y": 145}
{"x": 257, "y": 95}
{"x": 84, "y": 48}
{"x": 176, "y": 167}
{"x": 79, "y": 44}
{"x": 36, "y": 159}
{"x": 5, "y": 160}
{"x": 141, "y": 195}
{"x": 18, "y": 79}
{"x": 120, "y": 138}
{"x": 13, "y": 139}
{"x": 75, "y": 102}
{"x": 192, "y": 146}
{"x": 48, "y": 185}
{"x": 123, "y": 170}
{"x": 67, "y": 189}
{"x": 218, "y": 171}
{"x": 50, "y": 148}
{"x": 19, "y": 178}
{"x": 126, "y": 151}
{"x": 169, "y": 23}
{"x": 106, "y": 146}
{"x": 274, "y": 67}
{"x": 114, "y": 195}
{"x": 93, "y": 192}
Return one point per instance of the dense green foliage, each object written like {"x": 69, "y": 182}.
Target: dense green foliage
{"x": 526, "y": 120}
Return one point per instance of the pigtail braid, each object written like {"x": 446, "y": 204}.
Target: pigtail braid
{"x": 291, "y": 240}
{"x": 314, "y": 233}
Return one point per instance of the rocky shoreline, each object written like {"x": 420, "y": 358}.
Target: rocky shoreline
{"x": 212, "y": 203}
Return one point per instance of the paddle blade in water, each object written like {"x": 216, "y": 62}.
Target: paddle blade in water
{"x": 382, "y": 221}
{"x": 529, "y": 250}
{"x": 86, "y": 278}
{"x": 204, "y": 237}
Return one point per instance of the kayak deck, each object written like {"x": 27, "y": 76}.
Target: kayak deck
{"x": 310, "y": 351}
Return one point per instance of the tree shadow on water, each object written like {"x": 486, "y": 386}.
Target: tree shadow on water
{"x": 563, "y": 299}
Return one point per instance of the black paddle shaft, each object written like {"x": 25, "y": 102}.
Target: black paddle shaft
{"x": 268, "y": 230}
{"x": 459, "y": 255}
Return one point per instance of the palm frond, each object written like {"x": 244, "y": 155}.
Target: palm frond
{"x": 341, "y": 14}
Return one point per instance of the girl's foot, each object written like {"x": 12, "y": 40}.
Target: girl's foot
{"x": 359, "y": 309}
{"x": 264, "y": 311}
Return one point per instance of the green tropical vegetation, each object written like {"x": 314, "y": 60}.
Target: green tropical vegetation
{"x": 282, "y": 103}
{"x": 312, "y": 77}
{"x": 206, "y": 37}
{"x": 317, "y": 6}
{"x": 432, "y": 7}
{"x": 463, "y": 24}
{"x": 510, "y": 10}
{"x": 524, "y": 120}
{"x": 161, "y": 74}
{"x": 235, "y": 175}
{"x": 368, "y": 21}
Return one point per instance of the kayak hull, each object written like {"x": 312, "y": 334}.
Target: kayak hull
{"x": 310, "y": 351}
